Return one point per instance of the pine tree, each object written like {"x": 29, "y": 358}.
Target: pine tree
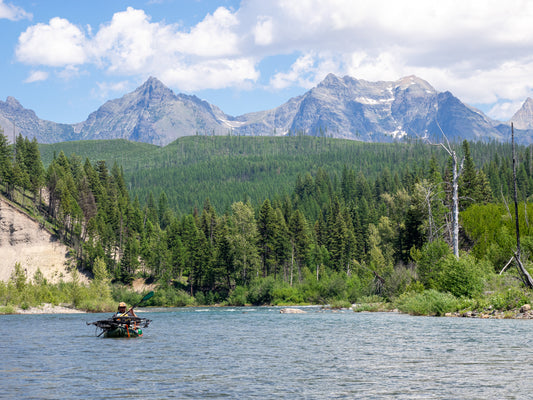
{"x": 6, "y": 157}
{"x": 281, "y": 241}
{"x": 300, "y": 242}
{"x": 242, "y": 237}
{"x": 266, "y": 229}
{"x": 34, "y": 168}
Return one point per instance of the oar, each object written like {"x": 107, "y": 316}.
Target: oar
{"x": 146, "y": 297}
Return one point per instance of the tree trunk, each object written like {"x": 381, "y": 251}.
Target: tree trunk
{"x": 292, "y": 262}
{"x": 528, "y": 281}
{"x": 455, "y": 194}
{"x": 455, "y": 206}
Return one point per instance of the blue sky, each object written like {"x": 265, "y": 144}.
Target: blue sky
{"x": 63, "y": 59}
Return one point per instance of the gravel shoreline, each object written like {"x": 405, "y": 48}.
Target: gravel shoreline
{"x": 49, "y": 309}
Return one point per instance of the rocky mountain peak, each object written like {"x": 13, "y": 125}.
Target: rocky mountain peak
{"x": 523, "y": 118}
{"x": 331, "y": 79}
{"x": 154, "y": 90}
{"x": 13, "y": 103}
{"x": 342, "y": 107}
{"x": 413, "y": 81}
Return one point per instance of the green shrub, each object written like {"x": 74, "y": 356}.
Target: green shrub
{"x": 398, "y": 281}
{"x": 237, "y": 297}
{"x": 354, "y": 288}
{"x": 7, "y": 310}
{"x": 370, "y": 307}
{"x": 260, "y": 291}
{"x": 429, "y": 302}
{"x": 372, "y": 303}
{"x": 428, "y": 261}
{"x": 170, "y": 297}
{"x": 97, "y": 305}
{"x": 510, "y": 298}
{"x": 284, "y": 294}
{"x": 333, "y": 287}
{"x": 462, "y": 276}
{"x": 338, "y": 304}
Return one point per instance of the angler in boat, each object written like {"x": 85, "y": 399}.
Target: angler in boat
{"x": 124, "y": 324}
{"x": 121, "y": 311}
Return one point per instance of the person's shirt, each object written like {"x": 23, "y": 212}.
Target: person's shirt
{"x": 125, "y": 314}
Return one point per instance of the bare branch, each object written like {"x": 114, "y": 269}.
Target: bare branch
{"x": 506, "y": 205}
{"x": 445, "y": 137}
{"x": 506, "y": 265}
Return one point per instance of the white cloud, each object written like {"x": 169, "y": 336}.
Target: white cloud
{"x": 106, "y": 88}
{"x": 307, "y": 71}
{"x": 57, "y": 44}
{"x": 505, "y": 110}
{"x": 263, "y": 31}
{"x": 13, "y": 13}
{"x": 127, "y": 43}
{"x": 481, "y": 50}
{"x": 215, "y": 36}
{"x": 36, "y": 76}
{"x": 207, "y": 56}
{"x": 213, "y": 74}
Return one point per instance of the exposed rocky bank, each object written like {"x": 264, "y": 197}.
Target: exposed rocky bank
{"x": 25, "y": 241}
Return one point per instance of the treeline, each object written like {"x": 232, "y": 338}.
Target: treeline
{"x": 333, "y": 237}
{"x": 227, "y": 169}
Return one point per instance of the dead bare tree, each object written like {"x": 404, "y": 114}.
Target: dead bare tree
{"x": 456, "y": 171}
{"x": 526, "y": 278}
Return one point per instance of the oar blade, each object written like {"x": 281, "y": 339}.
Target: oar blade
{"x": 147, "y": 296}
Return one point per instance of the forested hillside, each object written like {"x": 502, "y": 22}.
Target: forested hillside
{"x": 328, "y": 220}
{"x": 229, "y": 169}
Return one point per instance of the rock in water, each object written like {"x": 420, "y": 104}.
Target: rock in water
{"x": 292, "y": 311}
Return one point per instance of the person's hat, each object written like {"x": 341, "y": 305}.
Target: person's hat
{"x": 122, "y": 304}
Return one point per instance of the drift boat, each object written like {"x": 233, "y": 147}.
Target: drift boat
{"x": 121, "y": 326}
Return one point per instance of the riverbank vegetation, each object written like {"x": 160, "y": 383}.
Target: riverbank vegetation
{"x": 364, "y": 224}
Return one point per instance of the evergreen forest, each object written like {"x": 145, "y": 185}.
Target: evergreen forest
{"x": 282, "y": 220}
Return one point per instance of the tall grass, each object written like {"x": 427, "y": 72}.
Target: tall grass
{"x": 19, "y": 292}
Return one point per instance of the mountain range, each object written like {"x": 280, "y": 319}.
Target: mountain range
{"x": 338, "y": 107}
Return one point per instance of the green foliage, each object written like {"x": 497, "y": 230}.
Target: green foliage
{"x": 510, "y": 298}
{"x": 18, "y": 277}
{"x": 429, "y": 302}
{"x": 7, "y": 309}
{"x": 260, "y": 291}
{"x": 492, "y": 229}
{"x": 372, "y": 303}
{"x": 238, "y": 296}
{"x": 429, "y": 260}
{"x": 303, "y": 220}
{"x": 401, "y": 279}
{"x": 240, "y": 168}
{"x": 462, "y": 277}
{"x": 284, "y": 294}
{"x": 24, "y": 294}
{"x": 171, "y": 298}
{"x": 339, "y": 304}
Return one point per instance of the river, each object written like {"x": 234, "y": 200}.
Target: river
{"x": 258, "y": 353}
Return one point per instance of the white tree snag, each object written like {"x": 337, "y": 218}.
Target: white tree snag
{"x": 455, "y": 194}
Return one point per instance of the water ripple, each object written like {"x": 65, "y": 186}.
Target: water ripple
{"x": 259, "y": 353}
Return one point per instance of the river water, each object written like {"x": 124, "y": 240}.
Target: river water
{"x": 258, "y": 353}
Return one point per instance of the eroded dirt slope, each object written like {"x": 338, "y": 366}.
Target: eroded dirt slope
{"x": 23, "y": 240}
